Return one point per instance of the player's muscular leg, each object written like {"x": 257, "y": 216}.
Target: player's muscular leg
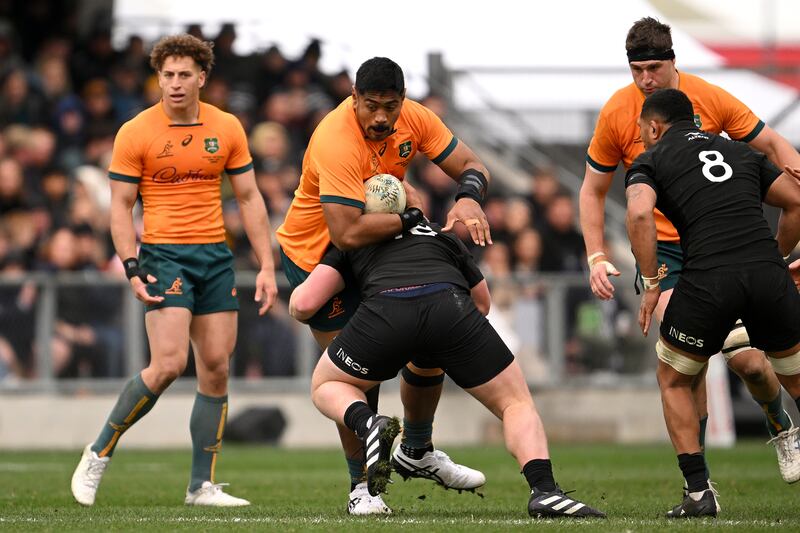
{"x": 680, "y": 413}
{"x": 698, "y": 385}
{"x": 507, "y": 396}
{"x": 350, "y": 443}
{"x": 419, "y": 403}
{"x": 333, "y": 390}
{"x": 756, "y": 373}
{"x": 787, "y": 368}
{"x": 213, "y": 339}
{"x": 168, "y": 336}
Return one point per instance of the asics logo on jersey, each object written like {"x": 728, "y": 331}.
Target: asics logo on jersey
{"x": 186, "y": 140}
{"x": 176, "y": 288}
{"x": 346, "y": 359}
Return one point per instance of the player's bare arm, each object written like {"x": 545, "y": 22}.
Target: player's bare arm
{"x": 776, "y": 148}
{"x": 323, "y": 282}
{"x": 785, "y": 193}
{"x": 256, "y": 225}
{"x": 641, "y": 225}
{"x": 123, "y": 198}
{"x": 592, "y": 200}
{"x": 466, "y": 168}
{"x": 481, "y": 297}
{"x": 350, "y": 228}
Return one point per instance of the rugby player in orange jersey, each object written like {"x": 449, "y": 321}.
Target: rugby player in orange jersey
{"x": 617, "y": 138}
{"x": 173, "y": 155}
{"x": 377, "y": 130}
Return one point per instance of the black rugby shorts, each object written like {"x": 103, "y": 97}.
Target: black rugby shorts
{"x": 706, "y": 304}
{"x": 443, "y": 329}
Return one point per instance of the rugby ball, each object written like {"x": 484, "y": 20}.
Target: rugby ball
{"x": 384, "y": 194}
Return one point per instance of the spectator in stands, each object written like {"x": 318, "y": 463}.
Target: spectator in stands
{"x": 100, "y": 116}
{"x": 16, "y": 315}
{"x": 271, "y": 70}
{"x": 126, "y": 99}
{"x": 10, "y": 58}
{"x": 269, "y": 144}
{"x": 518, "y": 217}
{"x": 544, "y": 187}
{"x": 563, "y": 251}
{"x": 55, "y": 187}
{"x": 527, "y": 252}
{"x": 13, "y": 195}
{"x": 95, "y": 58}
{"x": 440, "y": 188}
{"x": 274, "y": 193}
{"x": 53, "y": 82}
{"x": 562, "y": 243}
{"x": 18, "y": 103}
{"x": 496, "y": 209}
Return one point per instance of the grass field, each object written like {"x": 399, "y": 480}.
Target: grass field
{"x": 307, "y": 491}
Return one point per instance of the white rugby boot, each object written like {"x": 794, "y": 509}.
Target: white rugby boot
{"x": 87, "y": 476}
{"x": 211, "y": 495}
{"x": 787, "y": 446}
{"x": 363, "y": 503}
{"x": 438, "y": 467}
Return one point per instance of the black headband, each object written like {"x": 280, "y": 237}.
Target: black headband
{"x": 649, "y": 54}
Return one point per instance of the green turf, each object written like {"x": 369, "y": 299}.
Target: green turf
{"x": 307, "y": 491}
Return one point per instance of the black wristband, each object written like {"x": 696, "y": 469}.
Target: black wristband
{"x": 410, "y": 218}
{"x": 472, "y": 184}
{"x": 133, "y": 270}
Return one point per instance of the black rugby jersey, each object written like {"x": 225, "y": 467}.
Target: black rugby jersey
{"x": 419, "y": 256}
{"x": 711, "y": 189}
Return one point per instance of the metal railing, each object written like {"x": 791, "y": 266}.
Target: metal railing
{"x": 550, "y": 309}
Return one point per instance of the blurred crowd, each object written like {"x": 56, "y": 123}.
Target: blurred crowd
{"x": 64, "y": 95}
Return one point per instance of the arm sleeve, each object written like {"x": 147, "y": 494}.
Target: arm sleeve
{"x": 738, "y": 121}
{"x": 239, "y": 159}
{"x": 642, "y": 171}
{"x": 338, "y": 166}
{"x": 126, "y": 158}
{"x": 335, "y": 258}
{"x": 604, "y": 152}
{"x": 767, "y": 173}
{"x": 436, "y": 141}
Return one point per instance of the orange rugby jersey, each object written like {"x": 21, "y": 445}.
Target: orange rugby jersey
{"x": 616, "y": 136}
{"x": 179, "y": 171}
{"x": 337, "y": 162}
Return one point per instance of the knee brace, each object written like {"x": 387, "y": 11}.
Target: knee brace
{"x": 786, "y": 366}
{"x": 678, "y": 361}
{"x": 421, "y": 381}
{"x": 737, "y": 341}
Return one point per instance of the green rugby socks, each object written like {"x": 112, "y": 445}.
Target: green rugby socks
{"x": 777, "y": 419}
{"x": 133, "y": 403}
{"x": 206, "y": 425}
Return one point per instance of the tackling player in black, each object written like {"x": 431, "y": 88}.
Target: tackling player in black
{"x": 711, "y": 189}
{"x": 421, "y": 294}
